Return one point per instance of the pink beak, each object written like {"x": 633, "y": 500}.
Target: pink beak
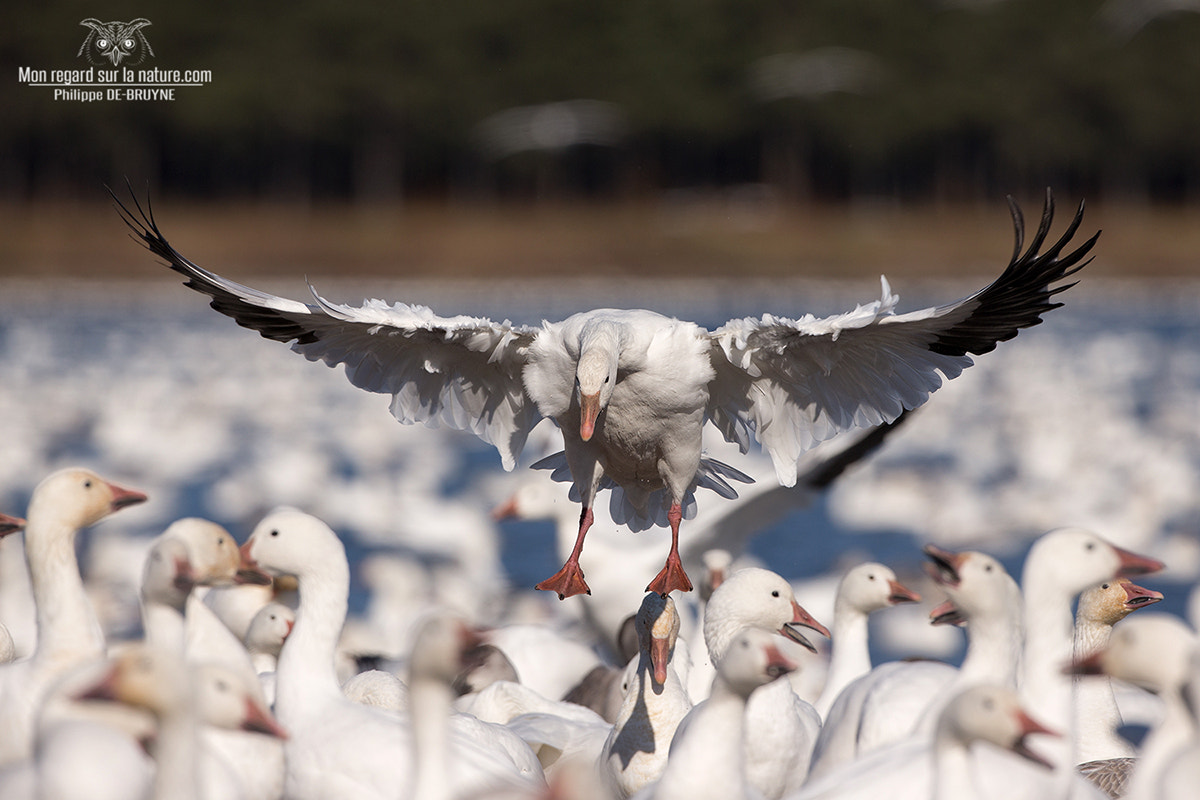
{"x": 589, "y": 411}
{"x": 1138, "y": 596}
{"x": 946, "y": 614}
{"x": 10, "y": 524}
{"x": 249, "y": 572}
{"x": 777, "y": 663}
{"x": 260, "y": 721}
{"x": 122, "y": 497}
{"x": 1133, "y": 564}
{"x": 899, "y": 593}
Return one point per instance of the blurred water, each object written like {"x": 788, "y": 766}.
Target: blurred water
{"x": 1088, "y": 419}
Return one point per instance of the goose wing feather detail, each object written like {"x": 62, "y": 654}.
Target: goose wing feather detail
{"x": 463, "y": 372}
{"x": 795, "y": 383}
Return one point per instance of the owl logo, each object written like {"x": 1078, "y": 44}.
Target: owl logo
{"x": 115, "y": 42}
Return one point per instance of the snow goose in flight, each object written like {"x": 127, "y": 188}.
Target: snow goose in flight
{"x": 632, "y": 390}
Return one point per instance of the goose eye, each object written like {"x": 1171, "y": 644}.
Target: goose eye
{"x": 87, "y": 484}
{"x": 870, "y": 577}
{"x": 988, "y": 568}
{"x": 275, "y": 533}
{"x": 1104, "y": 586}
{"x": 1090, "y": 546}
{"x": 775, "y": 593}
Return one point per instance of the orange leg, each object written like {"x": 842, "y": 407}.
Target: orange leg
{"x": 672, "y": 576}
{"x": 569, "y": 581}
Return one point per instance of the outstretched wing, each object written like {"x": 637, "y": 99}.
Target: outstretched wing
{"x": 464, "y": 372}
{"x": 794, "y": 383}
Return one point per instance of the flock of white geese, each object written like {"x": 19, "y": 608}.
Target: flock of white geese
{"x": 238, "y": 688}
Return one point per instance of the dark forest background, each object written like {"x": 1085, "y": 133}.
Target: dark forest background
{"x": 533, "y": 99}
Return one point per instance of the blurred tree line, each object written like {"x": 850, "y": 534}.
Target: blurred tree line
{"x": 532, "y": 98}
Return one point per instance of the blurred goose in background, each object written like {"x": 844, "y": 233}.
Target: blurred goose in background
{"x": 1155, "y": 652}
{"x": 946, "y": 766}
{"x": 8, "y": 647}
{"x": 707, "y": 758}
{"x": 632, "y": 390}
{"x": 340, "y": 748}
{"x": 862, "y": 590}
{"x": 181, "y": 698}
{"x": 190, "y": 554}
{"x": 69, "y": 634}
{"x": 265, "y": 637}
{"x": 1181, "y": 773}
{"x": 888, "y": 704}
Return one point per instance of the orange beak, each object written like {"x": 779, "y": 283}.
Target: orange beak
{"x": 122, "y": 497}
{"x": 257, "y": 720}
{"x": 506, "y": 510}
{"x": 249, "y": 572}
{"x": 660, "y": 656}
{"x": 589, "y": 410}
{"x": 899, "y": 593}
{"x": 10, "y": 524}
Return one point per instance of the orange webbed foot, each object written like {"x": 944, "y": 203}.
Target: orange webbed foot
{"x": 567, "y": 582}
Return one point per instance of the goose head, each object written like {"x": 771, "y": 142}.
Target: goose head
{"x": 214, "y": 554}
{"x": 145, "y": 677}
{"x": 869, "y": 587}
{"x": 991, "y": 714}
{"x": 756, "y": 598}
{"x": 1112, "y": 601}
{"x": 226, "y": 699}
{"x": 269, "y": 629}
{"x": 77, "y": 497}
{"x": 167, "y": 575}
{"x": 441, "y": 649}
{"x": 752, "y": 660}
{"x": 977, "y": 585}
{"x": 289, "y": 542}
{"x": 1075, "y": 559}
{"x": 717, "y": 565}
{"x": 657, "y": 624}
{"x": 596, "y": 372}
{"x": 1153, "y": 651}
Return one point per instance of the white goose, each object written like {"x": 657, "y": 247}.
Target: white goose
{"x": 1060, "y": 565}
{"x": 181, "y": 698}
{"x": 632, "y": 390}
{"x": 191, "y": 552}
{"x": 1096, "y": 714}
{"x": 894, "y": 698}
{"x": 68, "y": 632}
{"x": 708, "y": 756}
{"x": 942, "y": 767}
{"x": 862, "y": 590}
{"x": 264, "y": 641}
{"x": 339, "y": 748}
{"x": 1181, "y": 774}
{"x": 1155, "y": 652}
{"x": 655, "y": 702}
{"x": 759, "y": 598}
